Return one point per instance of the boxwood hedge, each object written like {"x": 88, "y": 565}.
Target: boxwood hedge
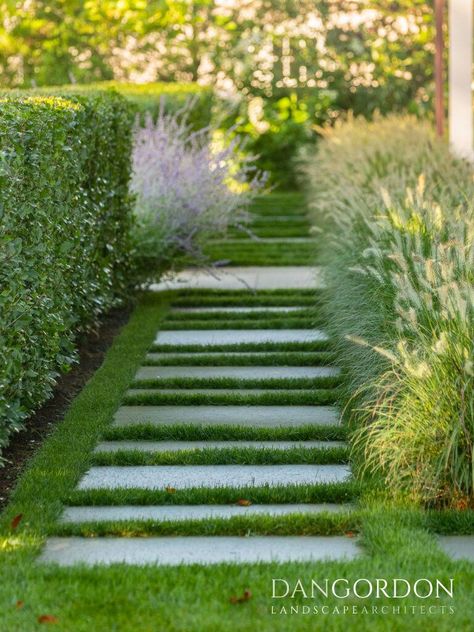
{"x": 146, "y": 97}
{"x": 65, "y": 217}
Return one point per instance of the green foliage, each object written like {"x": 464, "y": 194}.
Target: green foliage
{"x": 146, "y": 98}
{"x": 174, "y": 96}
{"x": 276, "y": 128}
{"x": 398, "y": 217}
{"x": 378, "y": 47}
{"x": 65, "y": 216}
{"x": 311, "y": 61}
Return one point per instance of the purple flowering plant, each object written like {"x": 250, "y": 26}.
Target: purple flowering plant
{"x": 188, "y": 187}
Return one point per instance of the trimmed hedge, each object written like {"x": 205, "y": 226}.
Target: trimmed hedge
{"x": 65, "y": 218}
{"x": 146, "y": 97}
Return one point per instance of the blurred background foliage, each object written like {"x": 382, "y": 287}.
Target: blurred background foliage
{"x": 279, "y": 68}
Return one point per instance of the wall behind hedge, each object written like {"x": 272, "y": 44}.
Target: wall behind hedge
{"x": 65, "y": 215}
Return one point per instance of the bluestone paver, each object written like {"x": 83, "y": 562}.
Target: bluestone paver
{"x": 244, "y": 277}
{"x": 176, "y": 446}
{"x": 168, "y": 513}
{"x": 237, "y": 372}
{"x": 215, "y": 337}
{"x": 198, "y": 550}
{"x": 238, "y": 310}
{"x": 210, "y": 476}
{"x": 458, "y": 547}
{"x": 248, "y": 416}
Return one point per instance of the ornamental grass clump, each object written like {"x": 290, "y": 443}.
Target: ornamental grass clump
{"x": 399, "y": 251}
{"x": 188, "y": 188}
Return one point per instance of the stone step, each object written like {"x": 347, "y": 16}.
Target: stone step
{"x": 250, "y": 373}
{"x": 203, "y": 550}
{"x": 236, "y": 310}
{"x": 215, "y": 337}
{"x": 178, "y": 446}
{"x": 458, "y": 547}
{"x": 169, "y": 513}
{"x": 244, "y": 277}
{"x": 210, "y": 476}
{"x": 249, "y": 416}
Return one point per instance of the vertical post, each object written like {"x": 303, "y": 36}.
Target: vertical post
{"x": 439, "y": 83}
{"x": 460, "y": 77}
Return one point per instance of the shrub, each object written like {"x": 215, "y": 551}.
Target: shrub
{"x": 397, "y": 213}
{"x": 64, "y": 235}
{"x": 278, "y": 127}
{"x": 188, "y": 188}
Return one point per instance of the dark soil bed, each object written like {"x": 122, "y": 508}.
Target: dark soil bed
{"x": 92, "y": 349}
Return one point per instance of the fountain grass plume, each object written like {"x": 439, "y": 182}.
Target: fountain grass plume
{"x": 397, "y": 214}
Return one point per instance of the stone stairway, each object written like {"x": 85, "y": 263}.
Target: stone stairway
{"x": 232, "y": 417}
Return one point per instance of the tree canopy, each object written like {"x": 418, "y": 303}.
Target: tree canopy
{"x": 253, "y": 46}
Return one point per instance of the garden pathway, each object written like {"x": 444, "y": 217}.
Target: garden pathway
{"x": 228, "y": 445}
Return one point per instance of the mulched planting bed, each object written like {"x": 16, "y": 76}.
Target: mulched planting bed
{"x": 91, "y": 351}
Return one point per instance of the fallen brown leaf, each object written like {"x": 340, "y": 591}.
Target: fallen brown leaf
{"x": 243, "y": 502}
{"x": 244, "y": 597}
{"x": 171, "y": 490}
{"x": 462, "y": 504}
{"x": 19, "y": 604}
{"x": 47, "y": 618}
{"x": 16, "y": 521}
{"x": 350, "y": 534}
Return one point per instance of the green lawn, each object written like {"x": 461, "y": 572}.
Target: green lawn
{"x": 398, "y": 541}
{"x": 268, "y": 217}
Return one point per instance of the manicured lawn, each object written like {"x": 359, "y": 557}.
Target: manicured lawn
{"x": 269, "y": 219}
{"x": 397, "y": 541}
{"x": 226, "y": 456}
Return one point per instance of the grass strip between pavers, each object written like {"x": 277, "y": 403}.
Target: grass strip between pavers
{"x": 291, "y": 358}
{"x": 328, "y": 382}
{"x": 278, "y": 397}
{"x": 303, "y": 313}
{"x": 252, "y": 300}
{"x": 246, "y": 293}
{"x": 188, "y": 432}
{"x": 260, "y": 258}
{"x": 314, "y": 345}
{"x": 279, "y": 494}
{"x": 283, "y": 248}
{"x": 295, "y": 524}
{"x": 276, "y": 323}
{"x": 270, "y": 231}
{"x": 225, "y": 456}
{"x": 271, "y": 242}
{"x": 268, "y": 222}
{"x": 450, "y": 521}
{"x": 262, "y": 209}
